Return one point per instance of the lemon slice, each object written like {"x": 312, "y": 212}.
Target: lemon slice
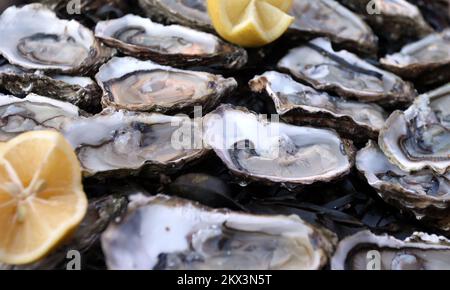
{"x": 41, "y": 195}
{"x": 250, "y": 23}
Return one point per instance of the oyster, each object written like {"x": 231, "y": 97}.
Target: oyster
{"x": 171, "y": 233}
{"x": 315, "y": 18}
{"x": 123, "y": 142}
{"x": 80, "y": 91}
{"x": 420, "y": 137}
{"x": 191, "y": 13}
{"x": 137, "y": 85}
{"x": 397, "y": 21}
{"x": 367, "y": 251}
{"x": 346, "y": 74}
{"x": 32, "y": 113}
{"x": 34, "y": 38}
{"x": 272, "y": 152}
{"x": 424, "y": 192}
{"x": 302, "y": 105}
{"x": 168, "y": 45}
{"x": 427, "y": 60}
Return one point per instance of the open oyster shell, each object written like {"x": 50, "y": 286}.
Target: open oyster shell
{"x": 137, "y": 85}
{"x": 170, "y": 233}
{"x": 346, "y": 74}
{"x": 425, "y": 192}
{"x": 302, "y": 105}
{"x": 419, "y": 138}
{"x": 427, "y": 60}
{"x": 123, "y": 142}
{"x": 33, "y": 113}
{"x": 398, "y": 21}
{"x": 172, "y": 45}
{"x": 367, "y": 251}
{"x": 256, "y": 149}
{"x": 328, "y": 18}
{"x": 192, "y": 13}
{"x": 80, "y": 91}
{"x": 34, "y": 38}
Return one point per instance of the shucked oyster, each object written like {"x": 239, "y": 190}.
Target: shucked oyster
{"x": 302, "y": 105}
{"x": 424, "y": 192}
{"x": 80, "y": 91}
{"x": 168, "y": 45}
{"x": 191, "y": 13}
{"x": 330, "y": 19}
{"x": 171, "y": 233}
{"x": 367, "y": 251}
{"x": 32, "y": 113}
{"x": 427, "y": 60}
{"x": 420, "y": 137}
{"x": 131, "y": 142}
{"x": 256, "y": 149}
{"x": 397, "y": 21}
{"x": 34, "y": 38}
{"x": 346, "y": 74}
{"x": 137, "y": 85}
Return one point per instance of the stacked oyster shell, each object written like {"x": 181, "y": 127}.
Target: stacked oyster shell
{"x": 409, "y": 166}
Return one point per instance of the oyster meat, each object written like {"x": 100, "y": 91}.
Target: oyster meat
{"x": 424, "y": 192}
{"x": 123, "y": 142}
{"x": 255, "y": 149}
{"x": 168, "y": 45}
{"x": 346, "y": 74}
{"x": 137, "y": 85}
{"x": 397, "y": 21}
{"x": 328, "y": 18}
{"x": 367, "y": 251}
{"x": 80, "y": 91}
{"x": 427, "y": 60}
{"x": 161, "y": 232}
{"x": 33, "y": 113}
{"x": 419, "y": 138}
{"x": 191, "y": 13}
{"x": 302, "y": 105}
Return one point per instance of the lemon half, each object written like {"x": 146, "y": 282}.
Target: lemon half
{"x": 41, "y": 195}
{"x": 250, "y": 23}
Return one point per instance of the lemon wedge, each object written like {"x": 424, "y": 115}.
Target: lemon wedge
{"x": 250, "y": 23}
{"x": 41, "y": 195}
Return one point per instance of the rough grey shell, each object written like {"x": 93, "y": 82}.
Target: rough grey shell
{"x": 192, "y": 13}
{"x": 80, "y": 91}
{"x": 427, "y": 60}
{"x": 131, "y": 84}
{"x": 171, "y": 45}
{"x": 33, "y": 37}
{"x": 367, "y": 251}
{"x": 302, "y": 105}
{"x": 162, "y": 232}
{"x": 123, "y": 142}
{"x": 33, "y": 113}
{"x": 398, "y": 21}
{"x": 328, "y": 18}
{"x": 344, "y": 73}
{"x": 256, "y": 149}
{"x": 419, "y": 138}
{"x": 425, "y": 193}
